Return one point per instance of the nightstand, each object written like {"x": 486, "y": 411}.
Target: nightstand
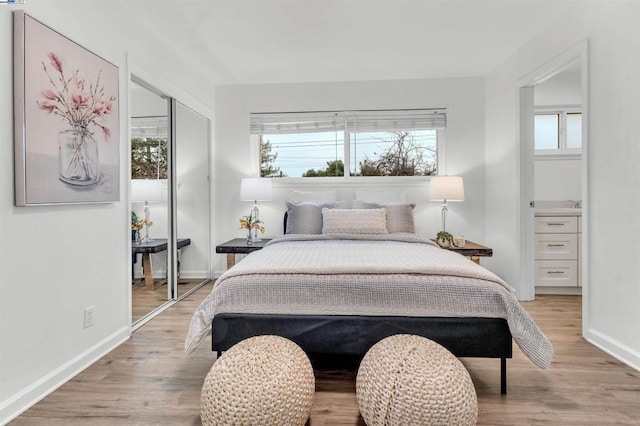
{"x": 471, "y": 250}
{"x": 239, "y": 246}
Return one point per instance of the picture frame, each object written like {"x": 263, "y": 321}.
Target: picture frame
{"x": 66, "y": 119}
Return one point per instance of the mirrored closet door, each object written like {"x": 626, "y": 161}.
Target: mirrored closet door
{"x": 191, "y": 211}
{"x": 169, "y": 200}
{"x": 150, "y": 124}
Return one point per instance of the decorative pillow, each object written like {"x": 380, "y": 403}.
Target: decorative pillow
{"x": 349, "y": 221}
{"x": 399, "y": 215}
{"x": 306, "y": 217}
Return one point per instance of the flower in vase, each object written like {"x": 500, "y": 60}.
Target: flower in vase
{"x": 141, "y": 224}
{"x": 80, "y": 103}
{"x": 251, "y": 222}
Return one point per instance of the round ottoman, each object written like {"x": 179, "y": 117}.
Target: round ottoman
{"x": 411, "y": 380}
{"x": 263, "y": 380}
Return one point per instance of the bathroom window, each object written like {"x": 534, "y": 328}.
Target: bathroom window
{"x": 558, "y": 132}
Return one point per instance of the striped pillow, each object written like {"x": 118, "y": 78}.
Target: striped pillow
{"x": 349, "y": 221}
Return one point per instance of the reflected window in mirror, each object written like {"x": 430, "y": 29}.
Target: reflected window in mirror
{"x": 149, "y": 147}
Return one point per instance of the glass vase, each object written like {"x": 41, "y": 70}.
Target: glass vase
{"x": 78, "y": 157}
{"x": 255, "y": 235}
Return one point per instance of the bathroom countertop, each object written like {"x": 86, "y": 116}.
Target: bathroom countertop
{"x": 558, "y": 211}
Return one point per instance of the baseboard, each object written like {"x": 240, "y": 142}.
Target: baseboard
{"x": 572, "y": 291}
{"x": 23, "y": 400}
{"x": 137, "y": 274}
{"x": 614, "y": 348}
{"x": 190, "y": 275}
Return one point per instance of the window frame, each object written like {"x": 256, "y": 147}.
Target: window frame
{"x": 255, "y": 140}
{"x": 562, "y": 151}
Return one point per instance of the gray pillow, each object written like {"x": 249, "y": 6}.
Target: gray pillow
{"x": 305, "y": 217}
{"x": 399, "y": 215}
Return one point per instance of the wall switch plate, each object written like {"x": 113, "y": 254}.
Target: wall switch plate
{"x": 88, "y": 316}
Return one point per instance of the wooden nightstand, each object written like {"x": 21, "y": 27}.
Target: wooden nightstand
{"x": 471, "y": 250}
{"x": 239, "y": 246}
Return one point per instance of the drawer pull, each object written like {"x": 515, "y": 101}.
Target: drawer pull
{"x": 555, "y": 272}
{"x": 555, "y": 245}
{"x": 556, "y": 223}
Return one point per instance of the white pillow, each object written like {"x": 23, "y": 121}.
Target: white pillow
{"x": 399, "y": 215}
{"x": 349, "y": 221}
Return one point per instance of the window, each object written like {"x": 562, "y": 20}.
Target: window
{"x": 370, "y": 143}
{"x": 558, "y": 132}
{"x": 149, "y": 147}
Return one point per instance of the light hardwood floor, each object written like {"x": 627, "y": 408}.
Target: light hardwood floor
{"x": 149, "y": 381}
{"x": 144, "y": 301}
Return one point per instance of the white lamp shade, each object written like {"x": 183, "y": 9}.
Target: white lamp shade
{"x": 255, "y": 189}
{"x": 146, "y": 190}
{"x": 450, "y": 188}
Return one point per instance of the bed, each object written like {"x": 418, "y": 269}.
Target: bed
{"x": 341, "y": 290}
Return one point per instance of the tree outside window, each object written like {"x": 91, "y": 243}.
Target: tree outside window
{"x": 374, "y": 143}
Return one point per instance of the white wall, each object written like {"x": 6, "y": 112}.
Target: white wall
{"x": 562, "y": 89}
{"x": 57, "y": 260}
{"x": 463, "y": 99}
{"x": 612, "y": 295}
{"x": 558, "y": 179}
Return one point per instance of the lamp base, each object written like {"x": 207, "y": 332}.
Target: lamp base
{"x": 255, "y": 215}
{"x": 146, "y": 238}
{"x": 444, "y": 215}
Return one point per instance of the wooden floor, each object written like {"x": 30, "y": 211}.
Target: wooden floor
{"x": 149, "y": 381}
{"x": 144, "y": 301}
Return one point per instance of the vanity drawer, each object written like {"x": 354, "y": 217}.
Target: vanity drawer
{"x": 556, "y": 273}
{"x": 556, "y": 246}
{"x": 556, "y": 225}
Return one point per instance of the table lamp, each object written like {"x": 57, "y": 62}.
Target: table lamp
{"x": 254, "y": 189}
{"x": 446, "y": 188}
{"x": 147, "y": 191}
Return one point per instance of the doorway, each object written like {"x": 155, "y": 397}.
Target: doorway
{"x": 557, "y": 180}
{"x": 169, "y": 201}
{"x": 570, "y": 65}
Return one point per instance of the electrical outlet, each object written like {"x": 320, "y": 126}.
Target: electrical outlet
{"x": 88, "y": 317}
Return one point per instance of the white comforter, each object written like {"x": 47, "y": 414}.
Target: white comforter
{"x": 395, "y": 274}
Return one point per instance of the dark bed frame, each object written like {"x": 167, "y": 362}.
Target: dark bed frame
{"x": 352, "y": 336}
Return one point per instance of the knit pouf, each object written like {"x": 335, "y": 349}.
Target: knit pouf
{"x": 263, "y": 380}
{"x": 411, "y": 380}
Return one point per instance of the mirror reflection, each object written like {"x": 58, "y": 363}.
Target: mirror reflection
{"x": 149, "y": 199}
{"x": 169, "y": 200}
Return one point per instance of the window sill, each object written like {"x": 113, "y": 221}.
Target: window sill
{"x": 557, "y": 155}
{"x": 351, "y": 180}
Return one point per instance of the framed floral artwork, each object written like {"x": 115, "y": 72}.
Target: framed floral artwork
{"x": 66, "y": 119}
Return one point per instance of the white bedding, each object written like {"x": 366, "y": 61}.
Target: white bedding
{"x": 395, "y": 274}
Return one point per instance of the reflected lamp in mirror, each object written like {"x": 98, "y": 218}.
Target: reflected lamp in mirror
{"x": 255, "y": 189}
{"x": 147, "y": 191}
{"x": 446, "y": 188}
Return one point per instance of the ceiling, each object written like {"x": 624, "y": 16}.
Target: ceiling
{"x": 286, "y": 41}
